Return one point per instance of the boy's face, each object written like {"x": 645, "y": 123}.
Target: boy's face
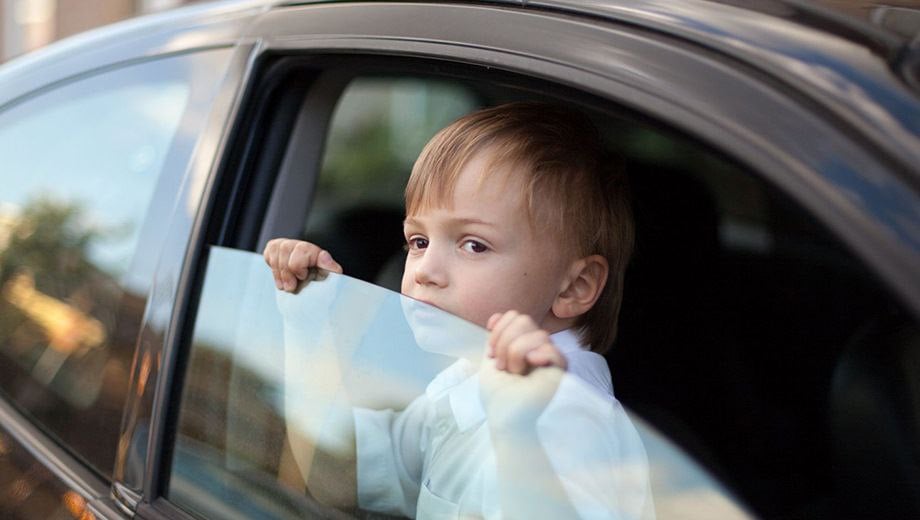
{"x": 478, "y": 255}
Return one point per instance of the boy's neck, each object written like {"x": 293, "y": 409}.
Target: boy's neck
{"x": 553, "y": 324}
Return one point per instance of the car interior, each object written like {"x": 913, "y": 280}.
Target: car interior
{"x": 749, "y": 335}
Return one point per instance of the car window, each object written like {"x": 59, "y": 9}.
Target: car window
{"x": 280, "y": 385}
{"x": 743, "y": 329}
{"x": 81, "y": 163}
{"x": 379, "y": 126}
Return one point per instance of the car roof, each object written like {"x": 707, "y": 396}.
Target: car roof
{"x": 164, "y": 22}
{"x": 861, "y": 73}
{"x": 857, "y": 71}
{"x": 851, "y": 19}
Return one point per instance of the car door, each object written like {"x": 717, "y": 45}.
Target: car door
{"x": 761, "y": 221}
{"x": 98, "y": 176}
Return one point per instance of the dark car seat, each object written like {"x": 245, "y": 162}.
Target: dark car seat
{"x": 875, "y": 421}
{"x": 674, "y": 363}
{"x": 363, "y": 239}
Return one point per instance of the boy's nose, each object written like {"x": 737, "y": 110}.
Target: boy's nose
{"x": 429, "y": 269}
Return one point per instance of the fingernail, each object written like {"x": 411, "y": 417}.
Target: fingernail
{"x": 325, "y": 257}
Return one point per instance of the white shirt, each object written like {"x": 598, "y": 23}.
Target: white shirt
{"x": 435, "y": 458}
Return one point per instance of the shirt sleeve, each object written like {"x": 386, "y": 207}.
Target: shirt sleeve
{"x": 390, "y": 457}
{"x": 596, "y": 452}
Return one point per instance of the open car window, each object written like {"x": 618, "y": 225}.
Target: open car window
{"x": 289, "y": 397}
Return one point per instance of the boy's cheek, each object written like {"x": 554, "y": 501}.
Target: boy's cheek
{"x": 405, "y": 286}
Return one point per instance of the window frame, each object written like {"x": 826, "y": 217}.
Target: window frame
{"x": 69, "y": 469}
{"x": 648, "y": 77}
{"x": 800, "y": 159}
{"x": 154, "y": 356}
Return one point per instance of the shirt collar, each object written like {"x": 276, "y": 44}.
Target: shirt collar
{"x": 567, "y": 341}
{"x": 459, "y": 383}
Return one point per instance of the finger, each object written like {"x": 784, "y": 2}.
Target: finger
{"x": 269, "y": 251}
{"x": 326, "y": 261}
{"x": 493, "y": 319}
{"x": 510, "y": 332}
{"x": 490, "y": 325}
{"x": 509, "y": 329}
{"x": 546, "y": 355}
{"x": 501, "y": 324}
{"x": 285, "y": 248}
{"x": 288, "y": 280}
{"x": 512, "y": 325}
{"x": 496, "y": 345}
{"x": 521, "y": 346}
{"x": 302, "y": 257}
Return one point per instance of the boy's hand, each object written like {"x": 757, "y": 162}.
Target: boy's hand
{"x": 290, "y": 261}
{"x": 519, "y": 345}
{"x": 513, "y": 403}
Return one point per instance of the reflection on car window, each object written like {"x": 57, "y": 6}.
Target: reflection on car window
{"x": 80, "y": 168}
{"x": 288, "y": 397}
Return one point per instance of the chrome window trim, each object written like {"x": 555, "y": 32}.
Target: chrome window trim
{"x": 68, "y": 468}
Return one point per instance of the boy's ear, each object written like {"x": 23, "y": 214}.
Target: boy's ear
{"x": 582, "y": 287}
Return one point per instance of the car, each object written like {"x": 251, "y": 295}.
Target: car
{"x": 768, "y": 351}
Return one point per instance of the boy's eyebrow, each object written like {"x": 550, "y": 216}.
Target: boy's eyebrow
{"x": 457, "y": 220}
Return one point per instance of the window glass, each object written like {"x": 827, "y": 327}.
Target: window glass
{"x": 289, "y": 397}
{"x": 34, "y": 491}
{"x": 278, "y": 387}
{"x": 80, "y": 166}
{"x": 739, "y": 312}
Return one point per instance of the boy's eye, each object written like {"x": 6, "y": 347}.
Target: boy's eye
{"x": 472, "y": 246}
{"x": 416, "y": 243}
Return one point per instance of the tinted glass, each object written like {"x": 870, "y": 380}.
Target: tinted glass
{"x": 31, "y": 490}
{"x": 80, "y": 166}
{"x": 282, "y": 388}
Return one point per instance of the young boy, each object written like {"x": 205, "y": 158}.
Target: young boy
{"x": 515, "y": 223}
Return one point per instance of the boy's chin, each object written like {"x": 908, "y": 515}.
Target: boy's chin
{"x": 438, "y": 332}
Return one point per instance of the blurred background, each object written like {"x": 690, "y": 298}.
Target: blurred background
{"x": 26, "y": 25}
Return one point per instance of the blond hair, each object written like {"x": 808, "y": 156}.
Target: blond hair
{"x": 570, "y": 187}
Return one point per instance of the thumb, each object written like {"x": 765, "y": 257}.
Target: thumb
{"x": 326, "y": 262}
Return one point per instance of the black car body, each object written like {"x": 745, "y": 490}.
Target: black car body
{"x": 771, "y": 317}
